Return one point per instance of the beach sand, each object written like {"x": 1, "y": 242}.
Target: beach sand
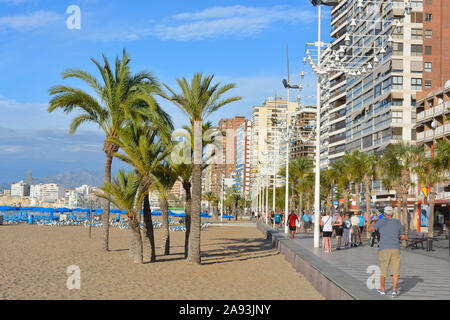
{"x": 237, "y": 263}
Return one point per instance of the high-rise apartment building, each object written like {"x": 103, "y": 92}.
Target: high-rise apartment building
{"x": 377, "y": 102}
{"x": 269, "y": 144}
{"x": 436, "y": 45}
{"x": 303, "y": 142}
{"x": 243, "y": 158}
{"x": 433, "y": 103}
{"x": 227, "y": 167}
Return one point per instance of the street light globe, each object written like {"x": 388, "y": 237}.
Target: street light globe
{"x": 434, "y": 124}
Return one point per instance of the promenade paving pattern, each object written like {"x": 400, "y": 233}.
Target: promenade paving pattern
{"x": 423, "y": 276}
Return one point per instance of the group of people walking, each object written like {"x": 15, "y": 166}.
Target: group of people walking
{"x": 348, "y": 229}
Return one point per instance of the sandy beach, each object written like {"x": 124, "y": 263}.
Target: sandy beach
{"x": 237, "y": 264}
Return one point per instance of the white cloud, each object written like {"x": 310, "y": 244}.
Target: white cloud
{"x": 232, "y": 20}
{"x": 30, "y": 21}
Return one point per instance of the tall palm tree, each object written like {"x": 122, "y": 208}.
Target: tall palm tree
{"x": 118, "y": 96}
{"x": 232, "y": 200}
{"x": 183, "y": 170}
{"x": 430, "y": 173}
{"x": 342, "y": 174}
{"x": 210, "y": 197}
{"x": 126, "y": 193}
{"x": 369, "y": 163}
{"x": 327, "y": 180}
{"x": 441, "y": 157}
{"x": 398, "y": 163}
{"x": 198, "y": 99}
{"x": 356, "y": 173}
{"x": 301, "y": 168}
{"x": 144, "y": 150}
{"x": 165, "y": 178}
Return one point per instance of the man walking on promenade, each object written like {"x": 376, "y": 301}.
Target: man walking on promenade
{"x": 292, "y": 219}
{"x": 355, "y": 229}
{"x": 389, "y": 255}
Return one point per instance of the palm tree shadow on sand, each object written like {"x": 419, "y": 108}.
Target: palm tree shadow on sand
{"x": 238, "y": 250}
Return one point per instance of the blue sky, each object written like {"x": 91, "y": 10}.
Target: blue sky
{"x": 243, "y": 42}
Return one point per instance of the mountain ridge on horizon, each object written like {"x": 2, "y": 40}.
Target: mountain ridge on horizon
{"x": 68, "y": 179}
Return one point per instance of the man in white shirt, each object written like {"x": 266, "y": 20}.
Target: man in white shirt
{"x": 355, "y": 229}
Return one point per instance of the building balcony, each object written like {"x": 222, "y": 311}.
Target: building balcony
{"x": 420, "y": 136}
{"x": 447, "y": 128}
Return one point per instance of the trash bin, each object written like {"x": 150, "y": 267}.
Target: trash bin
{"x": 30, "y": 219}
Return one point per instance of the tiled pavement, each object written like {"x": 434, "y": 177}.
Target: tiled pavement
{"x": 423, "y": 276}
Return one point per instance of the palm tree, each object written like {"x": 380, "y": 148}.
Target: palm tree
{"x": 233, "y": 200}
{"x": 198, "y": 100}
{"x": 209, "y": 196}
{"x": 398, "y": 163}
{"x": 119, "y": 95}
{"x": 342, "y": 175}
{"x": 327, "y": 180}
{"x": 430, "y": 173}
{"x": 126, "y": 193}
{"x": 355, "y": 169}
{"x": 144, "y": 151}
{"x": 183, "y": 170}
{"x": 165, "y": 178}
{"x": 301, "y": 168}
{"x": 369, "y": 163}
{"x": 441, "y": 157}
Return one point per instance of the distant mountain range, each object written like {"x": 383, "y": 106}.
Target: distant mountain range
{"x": 71, "y": 180}
{"x": 68, "y": 179}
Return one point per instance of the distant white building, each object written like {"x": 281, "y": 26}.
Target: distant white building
{"x": 48, "y": 192}
{"x": 84, "y": 189}
{"x": 20, "y": 189}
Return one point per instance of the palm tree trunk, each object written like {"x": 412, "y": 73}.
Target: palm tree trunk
{"x": 106, "y": 205}
{"x": 165, "y": 232}
{"x": 431, "y": 214}
{"x": 300, "y": 207}
{"x": 367, "y": 198}
{"x": 346, "y": 192}
{"x": 194, "y": 239}
{"x": 148, "y": 229}
{"x": 138, "y": 252}
{"x": 132, "y": 248}
{"x": 358, "y": 200}
{"x": 187, "y": 219}
{"x": 329, "y": 202}
{"x": 292, "y": 198}
{"x": 405, "y": 214}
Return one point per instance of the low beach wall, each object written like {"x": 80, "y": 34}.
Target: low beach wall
{"x": 299, "y": 260}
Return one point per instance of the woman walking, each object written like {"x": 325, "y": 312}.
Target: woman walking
{"x": 327, "y": 228}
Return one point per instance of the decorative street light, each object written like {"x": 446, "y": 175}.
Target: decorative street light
{"x": 351, "y": 59}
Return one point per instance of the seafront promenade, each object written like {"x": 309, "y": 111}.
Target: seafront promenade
{"x": 351, "y": 273}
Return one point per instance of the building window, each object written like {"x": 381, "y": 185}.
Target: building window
{"x": 397, "y": 116}
{"x": 427, "y": 67}
{"x": 397, "y": 82}
{"x": 416, "y": 17}
{"x": 416, "y": 83}
{"x": 428, "y": 50}
{"x": 427, "y": 83}
{"x": 428, "y": 33}
{"x": 416, "y": 50}
{"x": 428, "y": 16}
{"x": 397, "y": 48}
{"x": 416, "y": 33}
